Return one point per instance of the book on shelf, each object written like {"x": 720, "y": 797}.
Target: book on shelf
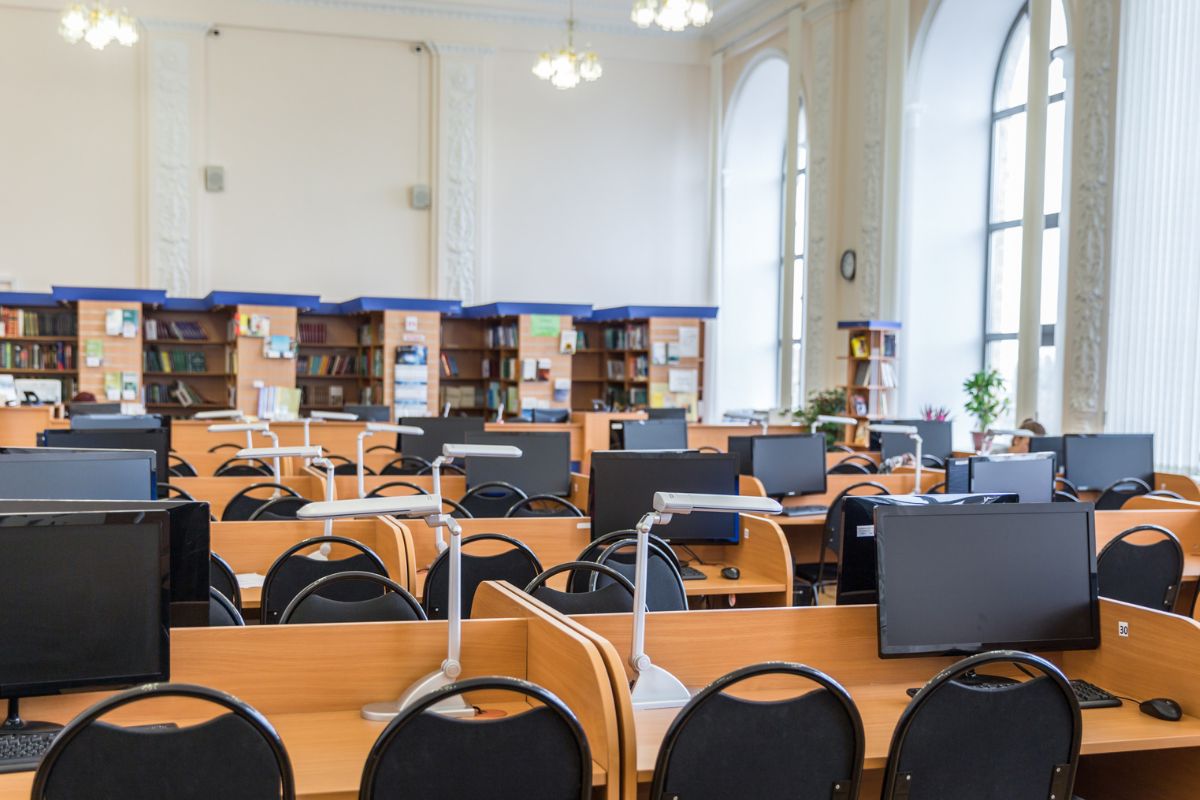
{"x": 155, "y": 360}
{"x": 581, "y": 340}
{"x": 177, "y": 392}
{"x": 615, "y": 338}
{"x": 501, "y": 335}
{"x": 191, "y": 330}
{"x": 369, "y": 334}
{"x": 47, "y": 356}
{"x": 860, "y": 346}
{"x": 639, "y": 337}
{"x": 641, "y": 367}
{"x": 327, "y": 365}
{"x": 449, "y": 365}
{"x": 615, "y": 369}
{"x": 461, "y": 396}
{"x": 22, "y": 322}
{"x": 312, "y": 332}
{"x": 889, "y": 345}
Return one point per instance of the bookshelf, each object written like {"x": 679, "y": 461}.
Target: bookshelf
{"x": 188, "y": 363}
{"x": 872, "y": 373}
{"x": 332, "y": 362}
{"x": 39, "y": 339}
{"x": 464, "y": 364}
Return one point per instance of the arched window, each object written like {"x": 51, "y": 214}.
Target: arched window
{"x": 1002, "y": 309}
{"x": 793, "y": 328}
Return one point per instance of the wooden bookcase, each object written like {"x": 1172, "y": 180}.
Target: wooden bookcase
{"x": 186, "y": 353}
{"x": 871, "y": 374}
{"x": 333, "y": 361}
{"x": 386, "y": 327}
{"x": 39, "y": 329}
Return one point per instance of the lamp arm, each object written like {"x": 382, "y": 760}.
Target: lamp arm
{"x": 362, "y": 468}
{"x": 638, "y": 659}
{"x": 452, "y": 666}
{"x": 916, "y": 437}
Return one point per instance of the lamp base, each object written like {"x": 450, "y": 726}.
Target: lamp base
{"x": 451, "y": 707}
{"x": 657, "y": 688}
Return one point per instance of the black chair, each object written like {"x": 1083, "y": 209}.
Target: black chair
{"x": 1167, "y": 493}
{"x": 936, "y": 462}
{"x": 856, "y": 464}
{"x": 1060, "y": 496}
{"x": 539, "y": 754}
{"x": 615, "y": 598}
{"x": 808, "y": 747}
{"x": 243, "y": 505}
{"x": 394, "y": 605}
{"x": 279, "y": 508}
{"x": 456, "y": 510}
{"x": 517, "y": 565}
{"x": 664, "y": 583}
{"x": 582, "y": 582}
{"x": 1062, "y": 484}
{"x": 543, "y": 505}
{"x": 378, "y": 491}
{"x": 1147, "y": 575}
{"x": 937, "y": 488}
{"x": 216, "y": 448}
{"x": 344, "y": 466}
{"x": 405, "y": 465}
{"x": 708, "y": 448}
{"x": 222, "y": 613}
{"x": 1018, "y": 742}
{"x": 292, "y": 573}
{"x": 382, "y": 448}
{"x": 831, "y": 540}
{"x": 234, "y": 756}
{"x": 242, "y": 468}
{"x": 179, "y": 467}
{"x": 166, "y": 492}
{"x": 491, "y": 499}
{"x": 447, "y": 469}
{"x": 839, "y": 448}
{"x": 1115, "y": 496}
{"x": 222, "y": 578}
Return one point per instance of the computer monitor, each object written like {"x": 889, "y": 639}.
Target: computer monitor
{"x": 543, "y": 468}
{"x": 155, "y": 439}
{"x": 623, "y": 483}
{"x": 48, "y": 473}
{"x": 1093, "y": 462}
{"x": 667, "y": 413}
{"x": 649, "y": 434}
{"x": 937, "y": 439}
{"x": 190, "y": 532}
{"x": 1028, "y": 475}
{"x": 83, "y": 601}
{"x": 369, "y": 413}
{"x": 553, "y": 415}
{"x": 438, "y": 431}
{"x": 786, "y": 465}
{"x": 957, "y": 580}
{"x": 93, "y": 422}
{"x": 856, "y": 562}
{"x": 1048, "y": 444}
{"x": 84, "y": 408}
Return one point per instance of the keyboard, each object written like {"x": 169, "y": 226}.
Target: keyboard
{"x": 692, "y": 574}
{"x": 805, "y": 511}
{"x": 1089, "y": 695}
{"x": 22, "y": 752}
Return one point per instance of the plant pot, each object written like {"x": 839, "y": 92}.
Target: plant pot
{"x": 982, "y": 440}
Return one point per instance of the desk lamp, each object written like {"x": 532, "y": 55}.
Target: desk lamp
{"x": 453, "y": 451}
{"x": 323, "y": 416}
{"x": 912, "y": 432}
{"x": 372, "y": 429}
{"x": 753, "y": 417}
{"x": 654, "y": 687}
{"x": 1012, "y": 432}
{"x": 250, "y": 428}
{"x": 225, "y": 413}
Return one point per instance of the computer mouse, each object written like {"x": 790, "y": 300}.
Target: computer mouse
{"x": 732, "y": 573}
{"x": 1162, "y": 708}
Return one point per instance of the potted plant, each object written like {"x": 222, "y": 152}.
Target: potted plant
{"x": 830, "y": 402}
{"x": 986, "y": 401}
{"x": 932, "y": 413}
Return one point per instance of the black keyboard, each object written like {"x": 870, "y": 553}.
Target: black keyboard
{"x": 805, "y": 511}
{"x": 1092, "y": 696}
{"x": 692, "y": 574}
{"x": 22, "y": 752}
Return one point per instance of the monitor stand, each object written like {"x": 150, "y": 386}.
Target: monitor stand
{"x": 14, "y": 724}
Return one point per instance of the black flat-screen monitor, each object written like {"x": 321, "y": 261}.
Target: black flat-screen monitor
{"x": 50, "y": 473}
{"x": 553, "y": 415}
{"x": 83, "y": 408}
{"x": 438, "y": 431}
{"x": 155, "y": 439}
{"x": 623, "y": 483}
{"x": 543, "y": 468}
{"x": 116, "y": 422}
{"x": 1029, "y": 475}
{"x": 786, "y": 465}
{"x": 650, "y": 434}
{"x": 937, "y": 439}
{"x": 369, "y": 413}
{"x": 1093, "y": 462}
{"x": 667, "y": 413}
{"x": 856, "y": 563}
{"x": 83, "y": 601}
{"x": 956, "y": 580}
{"x": 1048, "y": 444}
{"x": 190, "y": 529}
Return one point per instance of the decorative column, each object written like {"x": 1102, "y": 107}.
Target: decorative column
{"x": 874, "y": 123}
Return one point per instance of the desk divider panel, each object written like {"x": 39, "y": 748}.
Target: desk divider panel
{"x": 217, "y": 492}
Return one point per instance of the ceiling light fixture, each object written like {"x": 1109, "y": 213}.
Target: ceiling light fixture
{"x": 672, "y": 15}
{"x": 566, "y": 68}
{"x": 98, "y": 25}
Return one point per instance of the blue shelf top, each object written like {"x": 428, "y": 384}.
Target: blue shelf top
{"x": 185, "y": 304}
{"x": 262, "y": 299}
{"x": 40, "y": 299}
{"x": 327, "y": 309}
{"x": 576, "y": 310}
{"x": 360, "y": 304}
{"x": 645, "y": 312}
{"x": 70, "y": 293}
{"x": 872, "y": 324}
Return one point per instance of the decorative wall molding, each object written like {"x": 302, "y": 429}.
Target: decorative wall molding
{"x": 458, "y": 191}
{"x": 819, "y": 297}
{"x": 1090, "y": 215}
{"x": 870, "y": 245}
{"x": 169, "y": 172}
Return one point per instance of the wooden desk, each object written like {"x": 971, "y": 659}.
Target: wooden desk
{"x": 20, "y": 425}
{"x": 345, "y": 487}
{"x": 217, "y": 492}
{"x": 310, "y": 681}
{"x": 1181, "y": 518}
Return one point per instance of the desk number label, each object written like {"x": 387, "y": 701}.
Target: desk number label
{"x": 866, "y": 531}
{"x": 1123, "y": 629}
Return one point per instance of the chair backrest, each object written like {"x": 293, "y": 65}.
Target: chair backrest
{"x": 292, "y": 572}
{"x": 539, "y": 754}
{"x": 382, "y": 448}
{"x": 378, "y": 491}
{"x": 180, "y": 467}
{"x": 708, "y": 448}
{"x": 243, "y": 504}
{"x": 222, "y": 578}
{"x": 615, "y": 598}
{"x": 447, "y": 469}
{"x": 222, "y": 613}
{"x": 1165, "y": 493}
{"x": 491, "y": 499}
{"x": 1115, "y": 496}
{"x": 166, "y": 492}
{"x": 543, "y": 505}
{"x": 279, "y": 508}
{"x": 937, "y": 488}
{"x": 405, "y": 465}
{"x": 937, "y": 462}
{"x": 1018, "y": 742}
{"x": 833, "y": 517}
{"x": 1064, "y": 497}
{"x": 581, "y": 581}
{"x": 664, "y": 583}
{"x": 456, "y": 509}
{"x": 517, "y": 564}
{"x": 807, "y": 746}
{"x": 344, "y": 466}
{"x": 856, "y": 464}
{"x": 235, "y": 756}
{"x": 1147, "y": 575}
{"x": 242, "y": 468}
{"x": 394, "y": 605}
{"x": 1062, "y": 484}
{"x": 216, "y": 448}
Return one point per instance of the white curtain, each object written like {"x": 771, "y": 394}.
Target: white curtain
{"x": 1153, "y": 381}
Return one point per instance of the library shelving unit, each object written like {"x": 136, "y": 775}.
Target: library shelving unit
{"x": 39, "y": 339}
{"x": 871, "y": 373}
{"x": 333, "y": 367}
{"x": 188, "y": 360}
{"x": 638, "y": 357}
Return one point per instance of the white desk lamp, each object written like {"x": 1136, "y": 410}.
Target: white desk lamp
{"x": 1011, "y": 432}
{"x": 654, "y": 687}
{"x": 453, "y": 451}
{"x": 500, "y": 413}
{"x": 225, "y": 413}
{"x": 250, "y": 428}
{"x": 446, "y": 409}
{"x": 753, "y": 417}
{"x": 912, "y": 432}
{"x": 372, "y": 429}
{"x": 825, "y": 419}
{"x": 323, "y": 416}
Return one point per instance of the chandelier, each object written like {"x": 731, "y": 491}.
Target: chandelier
{"x": 568, "y": 66}
{"x": 671, "y": 15}
{"x": 98, "y": 25}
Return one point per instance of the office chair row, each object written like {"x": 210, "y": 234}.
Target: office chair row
{"x": 952, "y": 740}
{"x": 180, "y": 467}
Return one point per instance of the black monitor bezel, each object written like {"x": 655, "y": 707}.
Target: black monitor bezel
{"x": 1001, "y": 458}
{"x": 517, "y": 438}
{"x": 161, "y": 468}
{"x": 1112, "y": 437}
{"x": 621, "y": 427}
{"x": 739, "y": 443}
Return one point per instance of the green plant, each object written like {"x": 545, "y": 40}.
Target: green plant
{"x": 831, "y": 402}
{"x": 986, "y": 399}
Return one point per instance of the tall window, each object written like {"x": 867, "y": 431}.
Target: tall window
{"x": 794, "y": 328}
{"x": 1002, "y": 312}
